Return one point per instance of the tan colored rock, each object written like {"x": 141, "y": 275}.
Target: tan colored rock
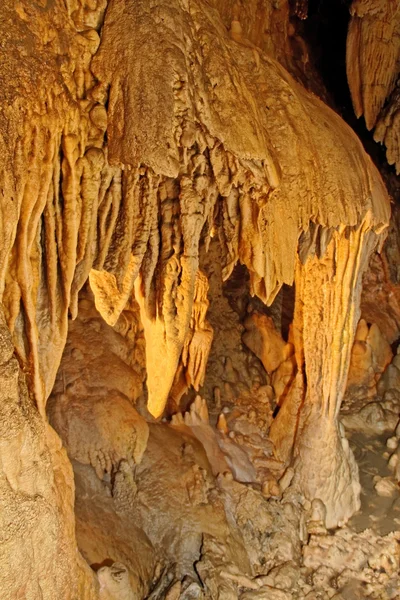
{"x": 129, "y": 136}
{"x": 110, "y": 188}
{"x": 222, "y": 425}
{"x": 316, "y": 524}
{"x": 286, "y": 479}
{"x": 316, "y": 436}
{"x": 100, "y": 432}
{"x": 353, "y": 555}
{"x": 381, "y": 350}
{"x": 387, "y": 130}
{"x": 266, "y": 592}
{"x": 373, "y": 418}
{"x": 283, "y": 378}
{"x": 386, "y": 487}
{"x": 284, "y": 427}
{"x": 361, "y": 371}
{"x": 390, "y": 380}
{"x": 174, "y": 593}
{"x": 38, "y": 553}
{"x": 370, "y": 356}
{"x": 361, "y": 331}
{"x": 99, "y": 359}
{"x": 270, "y": 487}
{"x": 372, "y": 55}
{"x": 191, "y": 368}
{"x": 264, "y": 340}
{"x": 372, "y": 59}
{"x": 392, "y": 443}
{"x": 114, "y": 583}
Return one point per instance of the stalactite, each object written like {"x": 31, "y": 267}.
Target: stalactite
{"x": 192, "y": 365}
{"x": 387, "y": 129}
{"x": 162, "y": 125}
{"x": 373, "y": 67}
{"x": 372, "y": 55}
{"x": 105, "y": 201}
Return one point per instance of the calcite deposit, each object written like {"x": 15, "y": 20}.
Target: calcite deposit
{"x": 199, "y": 317}
{"x": 373, "y": 64}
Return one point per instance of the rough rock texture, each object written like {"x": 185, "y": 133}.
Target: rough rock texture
{"x": 183, "y": 160}
{"x": 38, "y": 553}
{"x": 323, "y": 342}
{"x": 232, "y": 372}
{"x": 370, "y": 356}
{"x": 99, "y": 380}
{"x": 373, "y": 67}
{"x": 266, "y": 343}
{"x": 380, "y": 301}
{"x": 372, "y": 55}
{"x": 151, "y": 153}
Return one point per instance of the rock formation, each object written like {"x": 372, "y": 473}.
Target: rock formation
{"x": 373, "y": 59}
{"x": 167, "y": 171}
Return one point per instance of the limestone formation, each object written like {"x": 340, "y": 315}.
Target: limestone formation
{"x": 373, "y": 66}
{"x": 38, "y": 546}
{"x": 370, "y": 356}
{"x": 266, "y": 343}
{"x": 101, "y": 432}
{"x": 372, "y": 55}
{"x": 188, "y": 357}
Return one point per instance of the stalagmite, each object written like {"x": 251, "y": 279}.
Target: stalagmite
{"x": 325, "y": 321}
{"x": 370, "y": 356}
{"x": 160, "y": 164}
{"x": 266, "y": 343}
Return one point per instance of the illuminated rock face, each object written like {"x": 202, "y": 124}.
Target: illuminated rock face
{"x": 373, "y": 53}
{"x": 139, "y": 146}
{"x": 131, "y": 133}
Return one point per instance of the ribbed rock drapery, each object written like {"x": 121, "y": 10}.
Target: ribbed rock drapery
{"x": 165, "y": 83}
{"x": 131, "y": 132}
{"x": 373, "y": 68}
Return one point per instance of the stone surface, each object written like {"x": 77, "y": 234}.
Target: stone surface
{"x": 38, "y": 552}
{"x": 166, "y": 173}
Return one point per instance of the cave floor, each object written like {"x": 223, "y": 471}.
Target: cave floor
{"x": 379, "y": 513}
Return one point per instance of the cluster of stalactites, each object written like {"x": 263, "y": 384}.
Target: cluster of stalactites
{"x": 373, "y": 68}
{"x": 163, "y": 130}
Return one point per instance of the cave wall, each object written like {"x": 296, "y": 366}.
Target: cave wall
{"x": 131, "y": 133}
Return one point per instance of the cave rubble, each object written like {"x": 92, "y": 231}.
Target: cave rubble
{"x": 199, "y": 320}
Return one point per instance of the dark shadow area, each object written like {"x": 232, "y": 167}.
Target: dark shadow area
{"x": 108, "y": 562}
